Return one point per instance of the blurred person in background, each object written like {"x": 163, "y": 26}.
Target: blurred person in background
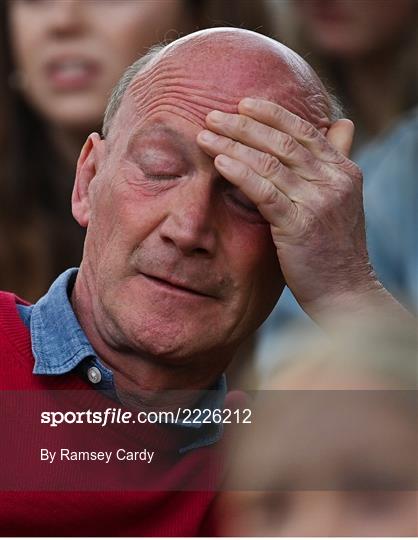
{"x": 367, "y": 52}
{"x": 332, "y": 447}
{"x": 59, "y": 60}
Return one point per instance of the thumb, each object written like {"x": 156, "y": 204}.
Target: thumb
{"x": 341, "y": 135}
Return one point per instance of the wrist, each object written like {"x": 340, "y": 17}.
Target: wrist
{"x": 365, "y": 296}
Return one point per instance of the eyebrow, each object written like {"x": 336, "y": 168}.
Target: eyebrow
{"x": 161, "y": 128}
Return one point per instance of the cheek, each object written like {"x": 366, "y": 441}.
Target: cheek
{"x": 121, "y": 219}
{"x": 24, "y": 32}
{"x": 254, "y": 259}
{"x": 254, "y": 250}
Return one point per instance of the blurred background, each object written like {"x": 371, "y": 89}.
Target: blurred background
{"x": 332, "y": 447}
{"x": 59, "y": 60}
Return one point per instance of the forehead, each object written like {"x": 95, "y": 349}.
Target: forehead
{"x": 192, "y": 85}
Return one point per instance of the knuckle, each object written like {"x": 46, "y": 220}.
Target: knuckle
{"x": 287, "y": 144}
{"x": 269, "y": 165}
{"x": 276, "y": 113}
{"x": 349, "y": 167}
{"x": 334, "y": 156}
{"x": 355, "y": 171}
{"x": 244, "y": 124}
{"x": 307, "y": 130}
{"x": 267, "y": 194}
{"x": 354, "y": 174}
{"x": 233, "y": 146}
{"x": 247, "y": 174}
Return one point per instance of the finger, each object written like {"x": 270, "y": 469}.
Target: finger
{"x": 303, "y": 131}
{"x": 273, "y": 205}
{"x": 266, "y": 139}
{"x": 264, "y": 164}
{"x": 341, "y": 135}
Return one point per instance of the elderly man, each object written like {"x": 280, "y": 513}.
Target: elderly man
{"x": 222, "y": 175}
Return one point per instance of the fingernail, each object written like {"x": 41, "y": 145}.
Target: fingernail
{"x": 249, "y": 103}
{"x": 223, "y": 161}
{"x": 217, "y": 116}
{"x": 207, "y": 136}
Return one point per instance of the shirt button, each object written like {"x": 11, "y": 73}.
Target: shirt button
{"x": 94, "y": 375}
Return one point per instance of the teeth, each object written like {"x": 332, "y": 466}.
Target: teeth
{"x": 71, "y": 68}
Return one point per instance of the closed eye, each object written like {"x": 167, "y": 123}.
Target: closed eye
{"x": 247, "y": 206}
{"x": 160, "y": 177}
{"x": 242, "y": 201}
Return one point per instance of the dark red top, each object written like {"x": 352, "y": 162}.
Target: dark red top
{"x": 48, "y": 511}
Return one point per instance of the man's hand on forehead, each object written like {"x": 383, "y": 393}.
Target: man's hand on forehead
{"x": 305, "y": 186}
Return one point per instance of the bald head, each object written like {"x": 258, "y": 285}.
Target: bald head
{"x": 215, "y": 69}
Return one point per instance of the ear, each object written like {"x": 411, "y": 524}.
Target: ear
{"x": 91, "y": 157}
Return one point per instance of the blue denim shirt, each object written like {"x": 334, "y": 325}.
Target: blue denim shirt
{"x": 59, "y": 345}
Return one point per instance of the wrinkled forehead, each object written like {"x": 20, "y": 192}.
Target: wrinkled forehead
{"x": 193, "y": 80}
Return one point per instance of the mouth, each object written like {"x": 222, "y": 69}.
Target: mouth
{"x": 174, "y": 286}
{"x": 71, "y": 73}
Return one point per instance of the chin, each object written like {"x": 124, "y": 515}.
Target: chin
{"x": 164, "y": 329}
{"x": 169, "y": 343}
{"x": 179, "y": 343}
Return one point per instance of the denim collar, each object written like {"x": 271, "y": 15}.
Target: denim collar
{"x": 58, "y": 342}
{"x": 59, "y": 345}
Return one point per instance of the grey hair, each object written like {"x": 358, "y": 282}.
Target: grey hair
{"x": 124, "y": 82}
{"x": 335, "y": 108}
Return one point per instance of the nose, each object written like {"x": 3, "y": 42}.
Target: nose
{"x": 65, "y": 17}
{"x": 190, "y": 224}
